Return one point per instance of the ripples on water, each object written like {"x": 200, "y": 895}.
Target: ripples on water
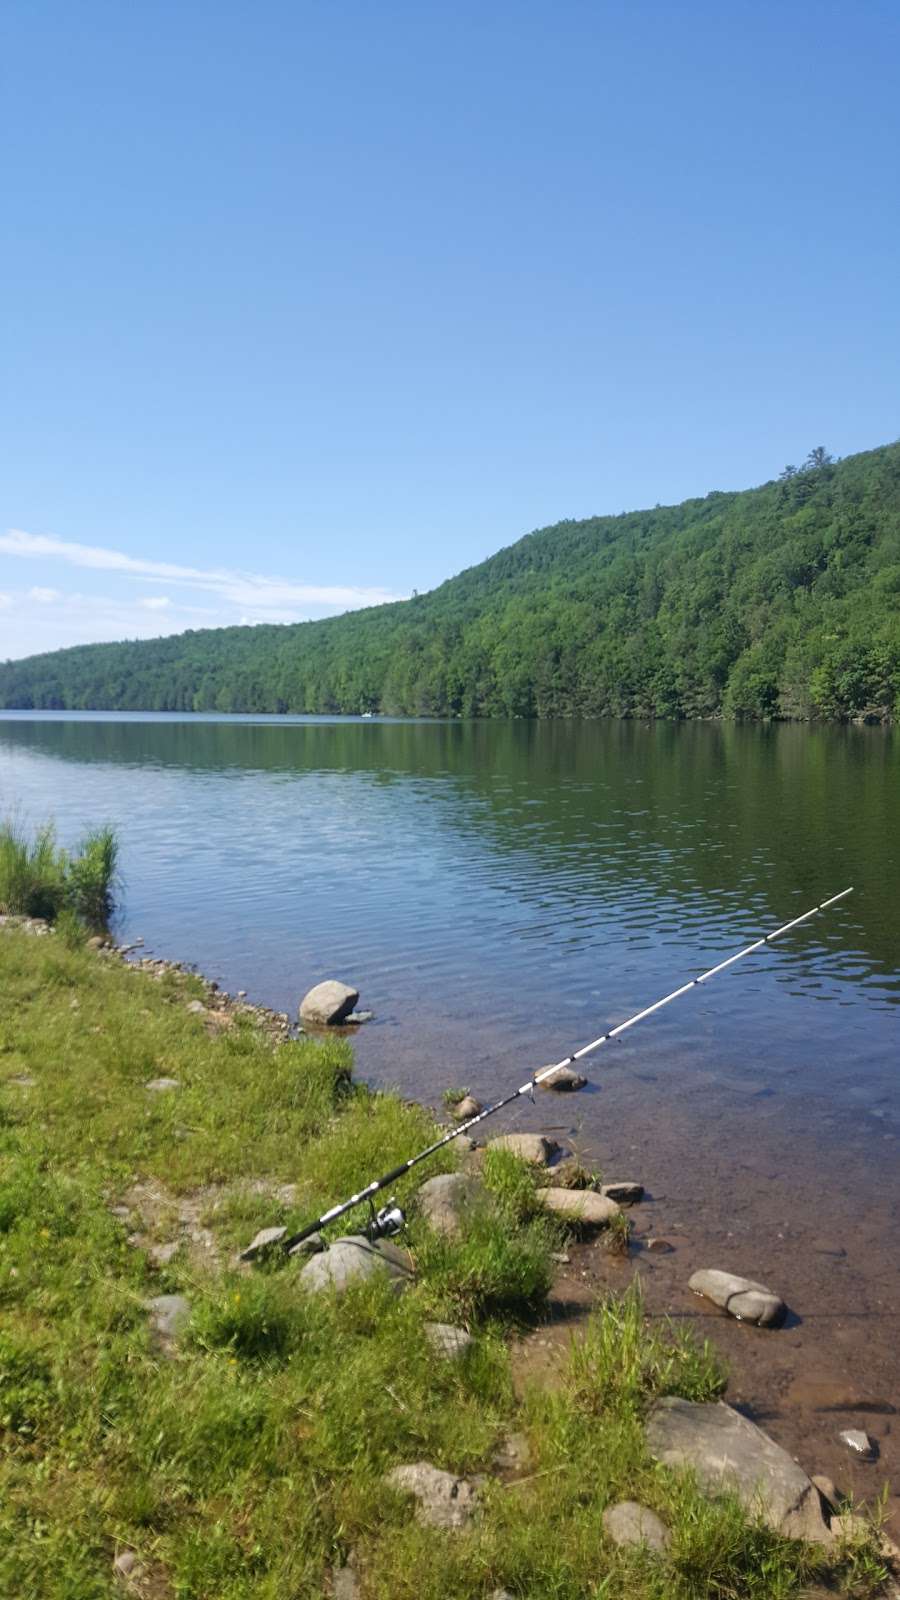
{"x": 501, "y": 892}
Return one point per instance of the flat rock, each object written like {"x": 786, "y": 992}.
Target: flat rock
{"x": 162, "y": 1085}
{"x": 353, "y": 1259}
{"x": 582, "y": 1207}
{"x": 169, "y": 1314}
{"x": 534, "y": 1147}
{"x": 310, "y": 1246}
{"x": 740, "y": 1297}
{"x": 623, "y": 1190}
{"x": 444, "y": 1501}
{"x": 565, "y": 1080}
{"x": 446, "y": 1200}
{"x": 263, "y": 1241}
{"x": 859, "y": 1442}
{"x": 729, "y": 1453}
{"x": 465, "y": 1108}
{"x": 447, "y": 1341}
{"x": 328, "y": 1003}
{"x": 629, "y": 1523}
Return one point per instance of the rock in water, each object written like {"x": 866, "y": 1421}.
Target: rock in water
{"x": 583, "y": 1207}
{"x": 444, "y": 1501}
{"x": 446, "y": 1200}
{"x": 328, "y": 1003}
{"x": 527, "y": 1146}
{"x": 740, "y": 1297}
{"x": 631, "y": 1524}
{"x": 859, "y": 1443}
{"x": 565, "y": 1080}
{"x": 730, "y": 1454}
{"x": 352, "y": 1259}
{"x": 623, "y": 1190}
{"x": 465, "y": 1108}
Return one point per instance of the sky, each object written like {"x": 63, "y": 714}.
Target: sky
{"x": 309, "y": 305}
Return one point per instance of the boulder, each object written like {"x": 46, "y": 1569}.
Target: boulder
{"x": 565, "y": 1080}
{"x": 730, "y": 1454}
{"x": 446, "y": 1200}
{"x": 328, "y": 1003}
{"x": 584, "y": 1208}
{"x": 740, "y": 1297}
{"x": 465, "y": 1108}
{"x": 859, "y": 1443}
{"x": 263, "y": 1241}
{"x": 447, "y": 1341}
{"x": 353, "y": 1259}
{"x": 532, "y": 1147}
{"x": 444, "y": 1501}
{"x": 623, "y": 1191}
{"x": 631, "y": 1524}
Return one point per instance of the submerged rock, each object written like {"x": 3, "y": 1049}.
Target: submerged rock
{"x": 532, "y": 1147}
{"x": 328, "y": 1003}
{"x": 583, "y": 1207}
{"x": 729, "y": 1454}
{"x": 740, "y": 1297}
{"x": 444, "y": 1501}
{"x": 629, "y": 1523}
{"x": 353, "y": 1259}
{"x": 446, "y": 1200}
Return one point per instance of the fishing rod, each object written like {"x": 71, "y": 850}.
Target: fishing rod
{"x": 390, "y": 1219}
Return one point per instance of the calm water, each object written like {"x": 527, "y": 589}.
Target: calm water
{"x": 500, "y": 893}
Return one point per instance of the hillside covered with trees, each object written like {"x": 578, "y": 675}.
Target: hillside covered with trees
{"x": 781, "y": 601}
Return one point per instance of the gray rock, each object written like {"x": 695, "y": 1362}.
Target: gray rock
{"x": 162, "y": 1085}
{"x": 169, "y": 1314}
{"x": 162, "y": 1254}
{"x": 532, "y": 1147}
{"x": 660, "y": 1247}
{"x": 465, "y": 1108}
{"x": 328, "y": 1003}
{"x": 445, "y": 1201}
{"x": 353, "y": 1259}
{"x": 623, "y": 1190}
{"x": 309, "y": 1246}
{"x": 22, "y": 1080}
{"x": 565, "y": 1080}
{"x": 827, "y": 1489}
{"x": 631, "y": 1524}
{"x": 444, "y": 1501}
{"x": 740, "y": 1297}
{"x": 345, "y": 1584}
{"x": 263, "y": 1241}
{"x": 128, "y": 1569}
{"x": 584, "y": 1208}
{"x": 196, "y": 1008}
{"x": 357, "y": 1018}
{"x": 447, "y": 1341}
{"x": 730, "y": 1454}
{"x": 859, "y": 1443}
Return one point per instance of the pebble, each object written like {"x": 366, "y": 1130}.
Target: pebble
{"x": 859, "y": 1442}
{"x": 162, "y": 1085}
{"x": 740, "y": 1297}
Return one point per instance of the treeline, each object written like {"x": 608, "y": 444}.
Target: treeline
{"x": 782, "y": 601}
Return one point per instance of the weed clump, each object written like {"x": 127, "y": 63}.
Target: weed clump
{"x": 38, "y": 878}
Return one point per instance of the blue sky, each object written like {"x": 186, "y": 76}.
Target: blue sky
{"x": 313, "y": 304}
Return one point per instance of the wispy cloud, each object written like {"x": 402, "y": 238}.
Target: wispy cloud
{"x": 273, "y": 598}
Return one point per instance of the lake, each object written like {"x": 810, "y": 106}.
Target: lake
{"x": 502, "y": 892}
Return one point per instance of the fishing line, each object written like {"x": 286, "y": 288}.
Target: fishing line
{"x": 390, "y": 1219}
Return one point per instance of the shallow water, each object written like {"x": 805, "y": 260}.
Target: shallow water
{"x": 502, "y": 892}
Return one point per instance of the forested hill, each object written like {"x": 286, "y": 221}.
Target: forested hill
{"x": 778, "y": 601}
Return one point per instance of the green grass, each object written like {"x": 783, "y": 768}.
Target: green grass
{"x": 253, "y": 1460}
{"x": 40, "y": 879}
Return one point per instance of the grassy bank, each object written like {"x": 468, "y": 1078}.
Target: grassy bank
{"x": 249, "y": 1457}
{"x": 38, "y": 878}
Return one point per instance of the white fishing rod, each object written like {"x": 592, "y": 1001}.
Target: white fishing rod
{"x": 390, "y": 1220}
